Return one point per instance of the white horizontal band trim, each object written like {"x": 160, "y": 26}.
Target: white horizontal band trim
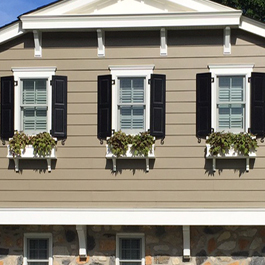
{"x": 131, "y": 67}
{"x": 228, "y": 66}
{"x": 70, "y": 216}
{"x": 125, "y": 21}
{"x": 33, "y": 69}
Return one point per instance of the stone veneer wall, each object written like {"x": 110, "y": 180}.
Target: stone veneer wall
{"x": 163, "y": 245}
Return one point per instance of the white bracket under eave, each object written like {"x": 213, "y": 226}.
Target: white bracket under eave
{"x": 186, "y": 241}
{"x": 163, "y": 42}
{"x": 38, "y": 43}
{"x": 101, "y": 43}
{"x": 82, "y": 236}
{"x": 227, "y": 40}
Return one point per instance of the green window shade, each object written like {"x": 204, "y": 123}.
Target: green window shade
{"x": 231, "y": 106}
{"x": 131, "y": 104}
{"x": 34, "y": 105}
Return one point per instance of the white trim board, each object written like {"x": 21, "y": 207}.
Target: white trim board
{"x": 135, "y": 20}
{"x": 71, "y": 216}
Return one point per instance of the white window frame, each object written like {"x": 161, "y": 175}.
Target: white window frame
{"x": 32, "y": 73}
{"x": 230, "y": 70}
{"x": 129, "y": 236}
{"x": 37, "y": 236}
{"x": 130, "y": 71}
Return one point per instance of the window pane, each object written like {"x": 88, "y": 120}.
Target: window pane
{"x": 231, "y": 89}
{"x": 38, "y": 249}
{"x": 132, "y": 117}
{"x": 35, "y": 119}
{"x": 34, "y": 92}
{"x": 131, "y": 90}
{"x": 130, "y": 263}
{"x": 130, "y": 249}
{"x": 231, "y": 116}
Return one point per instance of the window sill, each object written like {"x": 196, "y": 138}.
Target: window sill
{"x": 130, "y": 155}
{"x": 28, "y": 153}
{"x": 231, "y": 154}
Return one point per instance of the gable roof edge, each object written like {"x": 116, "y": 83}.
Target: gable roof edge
{"x": 11, "y": 31}
{"x": 252, "y": 26}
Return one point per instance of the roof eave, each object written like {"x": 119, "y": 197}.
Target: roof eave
{"x": 131, "y": 21}
{"x": 253, "y": 26}
{"x": 11, "y": 31}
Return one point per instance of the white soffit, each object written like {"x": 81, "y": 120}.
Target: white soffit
{"x": 53, "y": 216}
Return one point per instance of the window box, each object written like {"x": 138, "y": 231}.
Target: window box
{"x": 28, "y": 153}
{"x": 231, "y": 153}
{"x": 129, "y": 155}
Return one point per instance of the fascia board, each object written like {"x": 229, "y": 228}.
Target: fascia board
{"x": 10, "y": 32}
{"x": 77, "y": 216}
{"x": 129, "y": 21}
{"x": 253, "y": 26}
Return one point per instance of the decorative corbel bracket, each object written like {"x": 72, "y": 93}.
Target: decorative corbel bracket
{"x": 186, "y": 241}
{"x": 163, "y": 42}
{"x": 38, "y": 43}
{"x": 227, "y": 40}
{"x": 82, "y": 236}
{"x": 101, "y": 43}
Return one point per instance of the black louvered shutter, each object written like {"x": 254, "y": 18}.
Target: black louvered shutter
{"x": 7, "y": 107}
{"x": 104, "y": 106}
{"x": 258, "y": 104}
{"x": 158, "y": 106}
{"x": 203, "y": 105}
{"x": 59, "y": 107}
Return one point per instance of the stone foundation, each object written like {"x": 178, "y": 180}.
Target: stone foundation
{"x": 163, "y": 245}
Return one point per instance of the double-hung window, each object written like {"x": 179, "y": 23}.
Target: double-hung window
{"x": 230, "y": 98}
{"x": 131, "y": 99}
{"x": 34, "y": 105}
{"x": 34, "y": 100}
{"x": 131, "y": 104}
{"x": 38, "y": 249}
{"x": 130, "y": 249}
{"x": 231, "y": 103}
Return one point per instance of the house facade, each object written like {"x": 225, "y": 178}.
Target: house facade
{"x": 84, "y": 70}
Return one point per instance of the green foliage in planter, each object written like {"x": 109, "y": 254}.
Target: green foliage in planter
{"x": 43, "y": 143}
{"x": 142, "y": 143}
{"x": 118, "y": 143}
{"x": 221, "y": 142}
{"x": 18, "y": 143}
{"x": 244, "y": 143}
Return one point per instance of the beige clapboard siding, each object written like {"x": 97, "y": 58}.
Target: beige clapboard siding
{"x": 160, "y": 63}
{"x": 180, "y": 176}
{"x": 131, "y": 185}
{"x": 129, "y": 196}
{"x": 192, "y": 174}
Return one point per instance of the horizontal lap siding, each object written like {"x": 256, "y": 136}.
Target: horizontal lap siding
{"x": 179, "y": 176}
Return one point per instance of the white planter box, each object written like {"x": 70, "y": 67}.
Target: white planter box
{"x": 28, "y": 153}
{"x": 129, "y": 155}
{"x": 229, "y": 155}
